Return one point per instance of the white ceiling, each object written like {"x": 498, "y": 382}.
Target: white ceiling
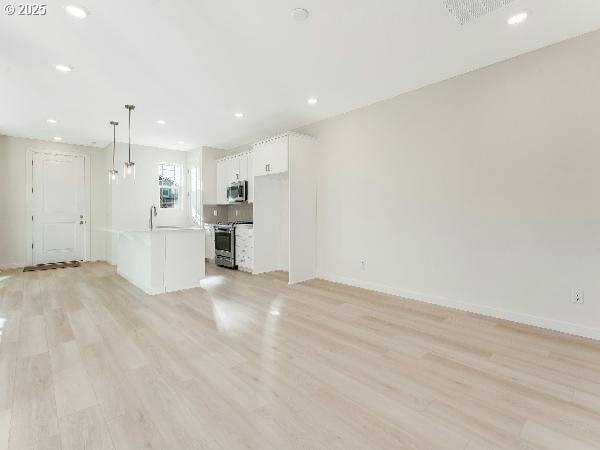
{"x": 195, "y": 63}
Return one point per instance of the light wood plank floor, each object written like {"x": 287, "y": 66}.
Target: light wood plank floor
{"x": 89, "y": 361}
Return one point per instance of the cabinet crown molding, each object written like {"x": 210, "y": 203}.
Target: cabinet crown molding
{"x": 286, "y": 134}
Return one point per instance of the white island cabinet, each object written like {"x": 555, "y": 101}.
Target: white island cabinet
{"x": 162, "y": 260}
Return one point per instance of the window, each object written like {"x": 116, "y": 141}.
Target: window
{"x": 194, "y": 186}
{"x": 169, "y": 185}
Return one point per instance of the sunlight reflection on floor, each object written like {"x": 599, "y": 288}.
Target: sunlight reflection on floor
{"x": 212, "y": 281}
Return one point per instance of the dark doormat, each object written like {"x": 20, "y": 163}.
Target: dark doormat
{"x": 58, "y": 265}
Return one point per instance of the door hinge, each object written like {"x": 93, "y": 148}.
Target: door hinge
{"x": 31, "y": 245}
{"x": 32, "y": 218}
{"x": 32, "y": 190}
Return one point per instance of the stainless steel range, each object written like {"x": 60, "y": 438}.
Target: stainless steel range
{"x": 225, "y": 244}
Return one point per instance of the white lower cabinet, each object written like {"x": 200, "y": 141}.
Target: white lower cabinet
{"x": 244, "y": 247}
{"x": 209, "y": 234}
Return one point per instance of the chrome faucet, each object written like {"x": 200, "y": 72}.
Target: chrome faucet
{"x": 152, "y": 215}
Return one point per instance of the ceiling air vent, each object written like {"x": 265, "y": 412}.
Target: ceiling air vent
{"x": 464, "y": 11}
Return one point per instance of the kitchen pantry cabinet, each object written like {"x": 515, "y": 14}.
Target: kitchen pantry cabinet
{"x": 271, "y": 156}
{"x": 230, "y": 169}
{"x": 285, "y": 206}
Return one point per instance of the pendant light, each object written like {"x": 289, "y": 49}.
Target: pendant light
{"x": 129, "y": 166}
{"x": 113, "y": 174}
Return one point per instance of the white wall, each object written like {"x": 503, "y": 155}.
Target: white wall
{"x": 480, "y": 192}
{"x": 13, "y": 207}
{"x": 130, "y": 201}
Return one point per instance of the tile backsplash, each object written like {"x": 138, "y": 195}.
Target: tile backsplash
{"x": 241, "y": 211}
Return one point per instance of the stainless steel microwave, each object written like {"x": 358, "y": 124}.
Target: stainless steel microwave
{"x": 237, "y": 192}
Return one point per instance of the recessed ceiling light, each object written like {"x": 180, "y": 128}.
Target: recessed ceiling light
{"x": 312, "y": 101}
{"x": 239, "y": 115}
{"x": 57, "y": 138}
{"x": 300, "y": 14}
{"x": 517, "y": 18}
{"x": 52, "y": 121}
{"x": 180, "y": 142}
{"x": 161, "y": 122}
{"x": 63, "y": 68}
{"x": 76, "y": 11}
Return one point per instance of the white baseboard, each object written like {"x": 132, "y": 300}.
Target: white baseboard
{"x": 303, "y": 280}
{"x": 527, "y": 319}
{"x": 22, "y": 264}
{"x": 9, "y": 266}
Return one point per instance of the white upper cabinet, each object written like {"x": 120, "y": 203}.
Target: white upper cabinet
{"x": 250, "y": 176}
{"x": 231, "y": 169}
{"x": 271, "y": 156}
{"x": 223, "y": 177}
{"x": 242, "y": 167}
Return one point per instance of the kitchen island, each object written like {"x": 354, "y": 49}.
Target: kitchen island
{"x": 165, "y": 259}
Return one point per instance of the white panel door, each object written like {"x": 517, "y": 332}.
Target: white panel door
{"x": 59, "y": 208}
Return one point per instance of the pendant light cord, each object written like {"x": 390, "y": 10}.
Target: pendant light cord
{"x": 129, "y": 135}
{"x": 129, "y": 108}
{"x": 114, "y": 124}
{"x": 114, "y": 142}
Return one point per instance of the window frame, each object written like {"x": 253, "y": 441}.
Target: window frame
{"x": 177, "y": 185}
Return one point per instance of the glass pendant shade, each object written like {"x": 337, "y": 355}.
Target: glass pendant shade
{"x": 129, "y": 170}
{"x": 113, "y": 176}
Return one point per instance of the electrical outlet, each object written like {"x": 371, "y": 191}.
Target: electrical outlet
{"x": 363, "y": 264}
{"x": 578, "y": 297}
{"x": 237, "y": 213}
{"x": 215, "y": 213}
